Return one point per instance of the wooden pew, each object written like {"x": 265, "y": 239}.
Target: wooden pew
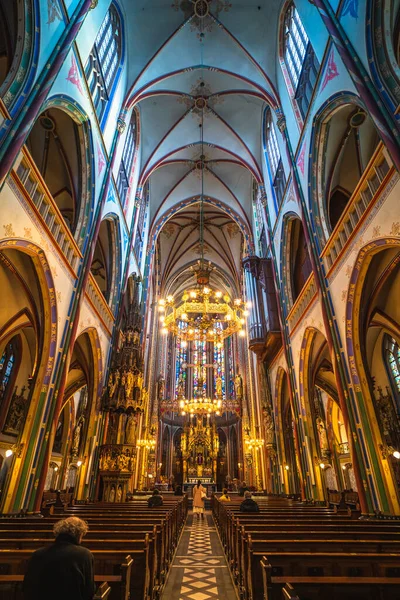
{"x": 156, "y": 529}
{"x": 288, "y": 531}
{"x": 280, "y": 568}
{"x": 11, "y": 585}
{"x": 334, "y": 588}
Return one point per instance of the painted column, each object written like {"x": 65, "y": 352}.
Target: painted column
{"x": 384, "y": 120}
{"x": 305, "y": 483}
{"x": 19, "y": 129}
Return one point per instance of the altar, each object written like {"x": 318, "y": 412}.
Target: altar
{"x": 211, "y": 487}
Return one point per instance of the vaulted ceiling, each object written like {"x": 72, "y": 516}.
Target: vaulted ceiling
{"x": 200, "y": 74}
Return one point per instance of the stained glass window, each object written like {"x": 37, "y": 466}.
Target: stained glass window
{"x": 219, "y": 364}
{"x": 296, "y": 42}
{"x": 7, "y": 365}
{"x": 392, "y": 356}
{"x": 125, "y": 167}
{"x": 300, "y": 59}
{"x": 274, "y": 157}
{"x": 181, "y": 360}
{"x": 199, "y": 370}
{"x": 104, "y": 59}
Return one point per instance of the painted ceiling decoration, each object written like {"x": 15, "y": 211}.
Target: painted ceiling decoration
{"x": 211, "y": 72}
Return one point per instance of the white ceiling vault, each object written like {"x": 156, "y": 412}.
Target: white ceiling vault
{"x": 203, "y": 68}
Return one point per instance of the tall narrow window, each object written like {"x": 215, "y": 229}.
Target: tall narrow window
{"x": 104, "y": 61}
{"x": 392, "y": 359}
{"x": 300, "y": 59}
{"x": 8, "y": 366}
{"x": 141, "y": 227}
{"x": 125, "y": 167}
{"x": 274, "y": 158}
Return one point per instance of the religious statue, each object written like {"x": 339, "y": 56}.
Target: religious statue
{"x": 76, "y": 440}
{"x": 130, "y": 430}
{"x": 238, "y": 386}
{"x": 323, "y": 438}
{"x": 119, "y": 494}
{"x": 113, "y": 383}
{"x": 161, "y": 387}
{"x": 130, "y": 380}
{"x": 218, "y": 385}
{"x": 181, "y": 386}
{"x": 269, "y": 426}
{"x": 16, "y": 413}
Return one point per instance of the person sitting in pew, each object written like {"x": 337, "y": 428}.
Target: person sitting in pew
{"x": 64, "y": 569}
{"x": 243, "y": 488}
{"x": 224, "y": 497}
{"x": 155, "y": 499}
{"x": 178, "y": 490}
{"x": 248, "y": 504}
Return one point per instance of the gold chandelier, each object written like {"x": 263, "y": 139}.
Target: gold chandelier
{"x": 203, "y": 314}
{"x": 148, "y": 444}
{"x": 200, "y": 406}
{"x": 254, "y": 443}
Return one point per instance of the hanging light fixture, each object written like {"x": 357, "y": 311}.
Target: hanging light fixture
{"x": 202, "y": 312}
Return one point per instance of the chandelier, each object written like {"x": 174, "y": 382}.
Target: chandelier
{"x": 254, "y": 443}
{"x": 147, "y": 444}
{"x": 203, "y": 314}
{"x": 200, "y": 406}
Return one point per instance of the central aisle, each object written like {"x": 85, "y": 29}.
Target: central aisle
{"x": 199, "y": 570}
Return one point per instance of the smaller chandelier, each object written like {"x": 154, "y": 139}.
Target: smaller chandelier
{"x": 200, "y": 406}
{"x": 147, "y": 444}
{"x": 254, "y": 443}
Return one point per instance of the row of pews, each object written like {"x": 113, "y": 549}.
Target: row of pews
{"x": 132, "y": 544}
{"x": 304, "y": 552}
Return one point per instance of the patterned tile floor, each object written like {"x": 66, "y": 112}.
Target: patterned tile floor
{"x": 199, "y": 570}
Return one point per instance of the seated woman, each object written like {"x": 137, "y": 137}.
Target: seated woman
{"x": 155, "y": 499}
{"x": 248, "y": 504}
{"x": 224, "y": 497}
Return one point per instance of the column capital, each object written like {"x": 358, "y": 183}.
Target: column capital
{"x": 121, "y": 124}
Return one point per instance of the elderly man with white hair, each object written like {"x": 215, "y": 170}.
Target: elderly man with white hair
{"x": 64, "y": 569}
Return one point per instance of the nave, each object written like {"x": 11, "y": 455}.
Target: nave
{"x": 286, "y": 550}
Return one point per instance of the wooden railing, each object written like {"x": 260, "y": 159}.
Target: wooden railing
{"x": 99, "y": 303}
{"x": 368, "y": 189}
{"x": 47, "y": 210}
{"x": 304, "y": 300}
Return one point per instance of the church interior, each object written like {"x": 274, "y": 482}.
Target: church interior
{"x": 200, "y": 256}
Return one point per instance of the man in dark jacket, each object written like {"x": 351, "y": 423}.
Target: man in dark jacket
{"x": 64, "y": 569}
{"x": 243, "y": 488}
{"x": 248, "y": 504}
{"x": 155, "y": 499}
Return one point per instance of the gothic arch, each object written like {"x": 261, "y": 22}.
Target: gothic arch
{"x": 371, "y": 311}
{"x": 61, "y": 145}
{"x": 241, "y": 223}
{"x": 19, "y": 49}
{"x": 28, "y": 310}
{"x": 343, "y": 142}
{"x": 107, "y": 257}
{"x": 383, "y": 46}
{"x": 296, "y": 263}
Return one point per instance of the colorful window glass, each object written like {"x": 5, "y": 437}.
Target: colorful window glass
{"x": 104, "y": 60}
{"x": 392, "y": 355}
